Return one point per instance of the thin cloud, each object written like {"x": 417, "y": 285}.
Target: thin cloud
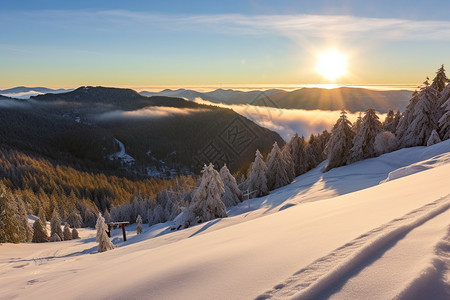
{"x": 146, "y": 113}
{"x": 289, "y": 25}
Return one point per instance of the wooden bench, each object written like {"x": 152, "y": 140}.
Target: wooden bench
{"x": 113, "y": 225}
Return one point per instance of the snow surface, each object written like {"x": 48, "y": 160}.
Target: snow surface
{"x": 362, "y": 240}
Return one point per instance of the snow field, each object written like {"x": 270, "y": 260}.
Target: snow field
{"x": 311, "y": 282}
{"x": 338, "y": 247}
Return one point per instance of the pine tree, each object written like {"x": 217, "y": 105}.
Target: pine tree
{"x": 364, "y": 140}
{"x": 55, "y": 238}
{"x": 434, "y": 138}
{"x": 396, "y": 121}
{"x": 74, "y": 219}
{"x": 297, "y": 148}
{"x": 104, "y": 244}
{"x": 41, "y": 216}
{"x": 389, "y": 122}
{"x": 24, "y": 219}
{"x": 67, "y": 233}
{"x": 206, "y": 201}
{"x": 75, "y": 234}
{"x": 158, "y": 215}
{"x": 40, "y": 234}
{"x": 424, "y": 118}
{"x": 312, "y": 153}
{"x": 444, "y": 120}
{"x": 11, "y": 221}
{"x": 258, "y": 179}
{"x": 340, "y": 143}
{"x": 55, "y": 225}
{"x": 89, "y": 216}
{"x": 139, "y": 228}
{"x": 385, "y": 142}
{"x": 407, "y": 116}
{"x": 322, "y": 141}
{"x": 276, "y": 169}
{"x": 440, "y": 80}
{"x": 107, "y": 217}
{"x": 233, "y": 194}
{"x": 357, "y": 124}
{"x": 288, "y": 162}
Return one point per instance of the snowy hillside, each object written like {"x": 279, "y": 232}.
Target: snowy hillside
{"x": 339, "y": 235}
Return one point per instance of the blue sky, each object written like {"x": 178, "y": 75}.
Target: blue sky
{"x": 223, "y": 43}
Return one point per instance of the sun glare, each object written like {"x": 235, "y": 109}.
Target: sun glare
{"x": 331, "y": 64}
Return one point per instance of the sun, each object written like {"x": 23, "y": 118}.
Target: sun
{"x": 331, "y": 64}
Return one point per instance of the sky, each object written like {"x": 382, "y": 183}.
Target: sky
{"x": 66, "y": 44}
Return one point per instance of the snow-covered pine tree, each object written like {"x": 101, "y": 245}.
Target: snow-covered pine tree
{"x": 206, "y": 201}
{"x": 158, "y": 215}
{"x": 434, "y": 138}
{"x": 107, "y": 216}
{"x": 139, "y": 228}
{"x": 297, "y": 148}
{"x": 233, "y": 194}
{"x": 322, "y": 141}
{"x": 55, "y": 238}
{"x": 67, "y": 233}
{"x": 41, "y": 216}
{"x": 444, "y": 120}
{"x": 440, "y": 80}
{"x": 184, "y": 219}
{"x": 104, "y": 243}
{"x": 312, "y": 153}
{"x": 424, "y": 118}
{"x": 340, "y": 143}
{"x": 388, "y": 123}
{"x": 406, "y": 117}
{"x": 288, "y": 162}
{"x": 276, "y": 169}
{"x": 89, "y": 216}
{"x": 397, "y": 117}
{"x": 55, "y": 225}
{"x": 257, "y": 185}
{"x": 24, "y": 219}
{"x": 364, "y": 140}
{"x": 75, "y": 234}
{"x": 40, "y": 234}
{"x": 357, "y": 124}
{"x": 125, "y": 213}
{"x": 74, "y": 219}
{"x": 385, "y": 142}
{"x": 114, "y": 213}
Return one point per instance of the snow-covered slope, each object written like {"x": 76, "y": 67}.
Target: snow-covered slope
{"x": 363, "y": 240}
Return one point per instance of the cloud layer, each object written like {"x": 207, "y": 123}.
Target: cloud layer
{"x": 287, "y": 122}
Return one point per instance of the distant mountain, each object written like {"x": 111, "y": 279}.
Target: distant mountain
{"x": 352, "y": 99}
{"x": 181, "y": 93}
{"x": 119, "y": 98}
{"x": 23, "y": 92}
{"x": 120, "y": 132}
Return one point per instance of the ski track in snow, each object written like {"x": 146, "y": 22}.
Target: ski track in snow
{"x": 310, "y": 282}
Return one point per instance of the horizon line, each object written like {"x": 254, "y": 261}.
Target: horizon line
{"x": 241, "y": 87}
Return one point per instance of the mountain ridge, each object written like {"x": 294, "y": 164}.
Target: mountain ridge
{"x": 350, "y": 98}
{"x": 161, "y": 134}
